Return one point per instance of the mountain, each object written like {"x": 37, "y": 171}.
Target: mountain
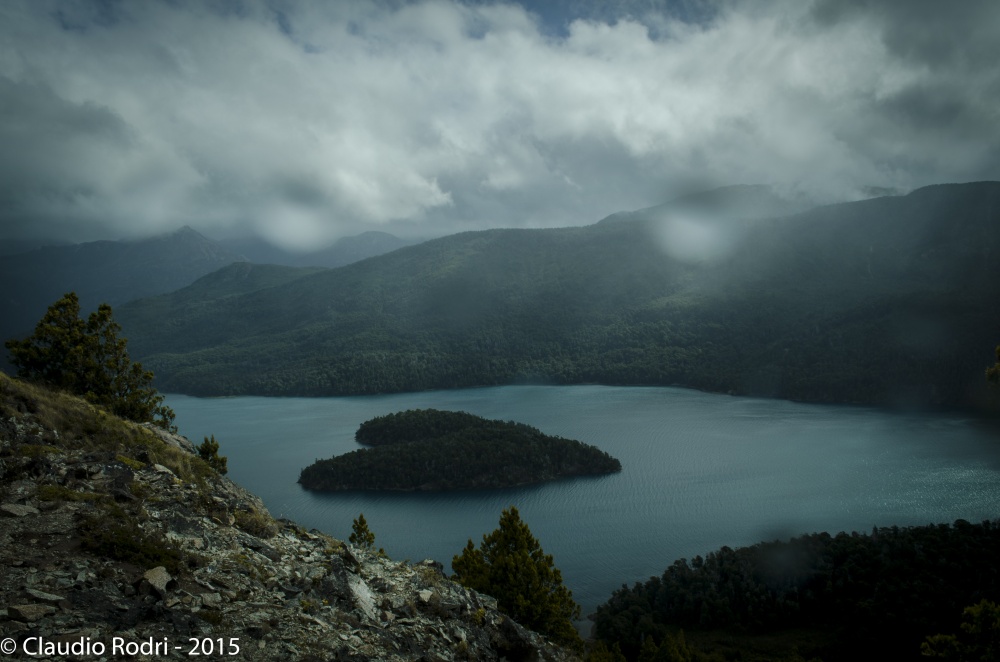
{"x": 120, "y": 541}
{"x": 741, "y": 201}
{"x": 889, "y": 301}
{"x": 344, "y": 251}
{"x": 102, "y": 271}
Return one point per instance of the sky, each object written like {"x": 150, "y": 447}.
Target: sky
{"x": 305, "y": 121}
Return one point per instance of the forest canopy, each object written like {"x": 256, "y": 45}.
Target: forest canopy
{"x": 884, "y": 592}
{"x": 431, "y": 450}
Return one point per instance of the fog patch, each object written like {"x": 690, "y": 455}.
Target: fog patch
{"x": 693, "y": 238}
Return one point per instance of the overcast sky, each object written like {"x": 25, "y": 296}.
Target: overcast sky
{"x": 307, "y": 121}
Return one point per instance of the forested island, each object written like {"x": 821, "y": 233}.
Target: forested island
{"x": 432, "y": 450}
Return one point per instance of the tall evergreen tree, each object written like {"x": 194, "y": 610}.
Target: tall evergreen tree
{"x": 511, "y": 566}
{"x": 361, "y": 535}
{"x": 53, "y": 354}
{"x": 91, "y": 360}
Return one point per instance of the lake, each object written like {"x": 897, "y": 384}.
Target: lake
{"x": 700, "y": 471}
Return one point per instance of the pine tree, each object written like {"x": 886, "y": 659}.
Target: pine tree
{"x": 53, "y": 355}
{"x": 91, "y": 360}
{"x": 360, "y": 535}
{"x": 208, "y": 450}
{"x": 511, "y": 566}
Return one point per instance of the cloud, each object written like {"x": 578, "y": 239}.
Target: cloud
{"x": 304, "y": 121}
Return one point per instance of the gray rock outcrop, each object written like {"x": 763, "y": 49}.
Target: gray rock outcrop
{"x": 100, "y": 542}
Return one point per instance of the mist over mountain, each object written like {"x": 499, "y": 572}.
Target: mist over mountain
{"x": 887, "y": 301}
{"x": 343, "y": 251}
{"x": 102, "y": 271}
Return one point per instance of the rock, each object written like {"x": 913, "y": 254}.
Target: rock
{"x": 17, "y": 510}
{"x": 30, "y": 613}
{"x": 299, "y": 595}
{"x": 45, "y": 597}
{"x": 175, "y": 440}
{"x": 363, "y": 598}
{"x": 211, "y": 600}
{"x": 431, "y": 563}
{"x": 159, "y": 579}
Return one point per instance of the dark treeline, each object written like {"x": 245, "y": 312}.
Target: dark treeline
{"x": 883, "y": 593}
{"x": 465, "y": 452}
{"x": 421, "y": 425}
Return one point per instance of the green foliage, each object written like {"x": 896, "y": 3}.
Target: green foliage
{"x": 979, "y": 638}
{"x": 441, "y": 450}
{"x": 89, "y": 359}
{"x": 511, "y": 566}
{"x": 600, "y": 652}
{"x": 417, "y": 425}
{"x": 208, "y": 450}
{"x": 121, "y": 538}
{"x": 256, "y": 523}
{"x": 360, "y": 534}
{"x": 884, "y": 591}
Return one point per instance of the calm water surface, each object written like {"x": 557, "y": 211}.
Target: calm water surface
{"x": 700, "y": 471}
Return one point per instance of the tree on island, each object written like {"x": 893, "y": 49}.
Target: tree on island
{"x": 89, "y": 359}
{"x": 511, "y": 566}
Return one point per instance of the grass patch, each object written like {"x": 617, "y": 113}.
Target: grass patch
{"x": 133, "y": 464}
{"x": 63, "y": 493}
{"x": 86, "y": 427}
{"x": 37, "y": 450}
{"x": 116, "y": 534}
{"x": 256, "y": 523}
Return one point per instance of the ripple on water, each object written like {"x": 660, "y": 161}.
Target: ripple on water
{"x": 699, "y": 471}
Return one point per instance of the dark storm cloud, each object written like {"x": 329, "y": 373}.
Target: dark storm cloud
{"x": 303, "y": 121}
{"x": 938, "y": 34}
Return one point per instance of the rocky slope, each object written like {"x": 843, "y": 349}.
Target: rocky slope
{"x": 117, "y": 539}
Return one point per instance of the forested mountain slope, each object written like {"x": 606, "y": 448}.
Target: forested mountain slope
{"x": 102, "y": 272}
{"x": 889, "y": 300}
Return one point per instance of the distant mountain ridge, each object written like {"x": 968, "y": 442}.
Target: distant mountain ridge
{"x": 102, "y": 271}
{"x": 890, "y": 301}
{"x": 116, "y": 272}
{"x": 343, "y": 251}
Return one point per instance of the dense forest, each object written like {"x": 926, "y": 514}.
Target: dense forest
{"x": 883, "y": 301}
{"x": 832, "y": 596}
{"x": 441, "y": 450}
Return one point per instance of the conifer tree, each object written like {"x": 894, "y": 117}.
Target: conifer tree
{"x": 361, "y": 535}
{"x": 91, "y": 360}
{"x": 208, "y": 450}
{"x": 511, "y": 566}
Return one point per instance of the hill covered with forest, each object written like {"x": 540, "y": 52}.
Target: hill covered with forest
{"x": 110, "y": 272}
{"x": 887, "y": 301}
{"x": 820, "y": 596}
{"x": 432, "y": 450}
